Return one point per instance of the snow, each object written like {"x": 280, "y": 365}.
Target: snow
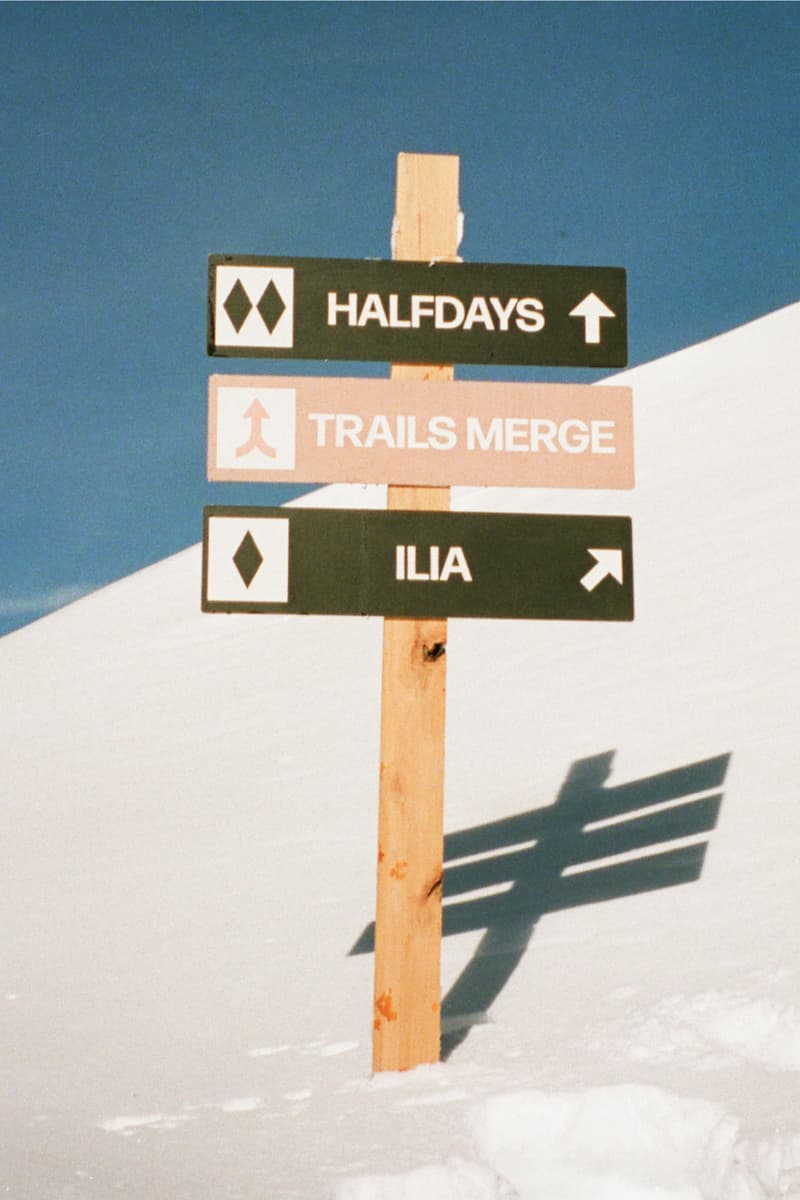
{"x": 189, "y": 808}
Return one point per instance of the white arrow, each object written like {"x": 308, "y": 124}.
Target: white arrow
{"x": 607, "y": 562}
{"x": 592, "y": 308}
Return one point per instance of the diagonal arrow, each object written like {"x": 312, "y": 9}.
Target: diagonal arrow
{"x": 592, "y": 309}
{"x": 607, "y": 562}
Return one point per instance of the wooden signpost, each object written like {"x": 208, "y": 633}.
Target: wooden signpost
{"x": 416, "y": 561}
{"x": 408, "y": 912}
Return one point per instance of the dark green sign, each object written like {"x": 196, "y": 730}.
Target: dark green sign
{"x": 417, "y": 564}
{"x": 395, "y": 311}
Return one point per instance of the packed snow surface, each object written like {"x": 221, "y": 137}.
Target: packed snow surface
{"x": 189, "y": 806}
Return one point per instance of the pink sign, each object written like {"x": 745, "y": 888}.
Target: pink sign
{"x": 280, "y": 429}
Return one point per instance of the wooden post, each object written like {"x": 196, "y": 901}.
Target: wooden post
{"x": 408, "y": 923}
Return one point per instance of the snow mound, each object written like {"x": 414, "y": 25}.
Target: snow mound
{"x": 631, "y": 1142}
{"x": 456, "y": 1179}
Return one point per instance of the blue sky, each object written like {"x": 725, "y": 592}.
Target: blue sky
{"x": 139, "y": 138}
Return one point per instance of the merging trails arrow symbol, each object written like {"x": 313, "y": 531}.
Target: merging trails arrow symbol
{"x": 607, "y": 562}
{"x": 592, "y": 309}
{"x": 256, "y": 415}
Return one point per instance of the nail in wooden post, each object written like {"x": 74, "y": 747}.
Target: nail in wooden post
{"x": 408, "y": 923}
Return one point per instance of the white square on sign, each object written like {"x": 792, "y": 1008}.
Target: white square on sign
{"x": 254, "y": 306}
{"x": 255, "y": 428}
{"x": 248, "y": 559}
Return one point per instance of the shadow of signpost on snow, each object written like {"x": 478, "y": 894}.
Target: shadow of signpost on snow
{"x": 594, "y": 843}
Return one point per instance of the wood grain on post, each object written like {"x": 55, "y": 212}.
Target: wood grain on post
{"x": 408, "y": 925}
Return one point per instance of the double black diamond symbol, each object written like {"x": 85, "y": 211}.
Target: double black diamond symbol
{"x": 270, "y": 307}
{"x": 247, "y": 559}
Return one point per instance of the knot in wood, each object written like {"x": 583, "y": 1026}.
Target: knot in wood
{"x": 433, "y": 652}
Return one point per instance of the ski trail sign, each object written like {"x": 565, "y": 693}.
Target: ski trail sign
{"x": 403, "y": 563}
{"x": 270, "y": 429}
{"x": 403, "y": 311}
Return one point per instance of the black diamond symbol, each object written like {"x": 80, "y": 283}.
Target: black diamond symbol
{"x": 247, "y": 559}
{"x": 271, "y": 306}
{"x": 238, "y": 305}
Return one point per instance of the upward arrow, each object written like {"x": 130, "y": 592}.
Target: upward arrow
{"x": 592, "y": 308}
{"x": 256, "y": 412}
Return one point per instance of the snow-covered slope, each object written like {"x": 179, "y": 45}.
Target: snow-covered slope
{"x": 188, "y": 814}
